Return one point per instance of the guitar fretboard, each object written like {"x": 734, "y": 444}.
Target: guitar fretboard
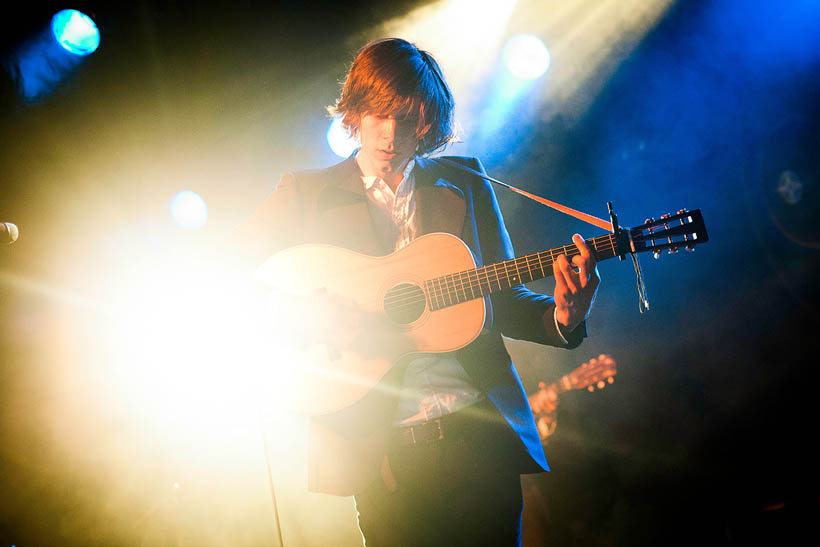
{"x": 452, "y": 289}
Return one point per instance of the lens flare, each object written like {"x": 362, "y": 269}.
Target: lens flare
{"x": 189, "y": 210}
{"x": 526, "y": 57}
{"x": 76, "y": 32}
{"x": 339, "y": 140}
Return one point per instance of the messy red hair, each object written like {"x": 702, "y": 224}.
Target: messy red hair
{"x": 392, "y": 77}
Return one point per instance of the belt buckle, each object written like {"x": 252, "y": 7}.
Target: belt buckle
{"x": 436, "y": 436}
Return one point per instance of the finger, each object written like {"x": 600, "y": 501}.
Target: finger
{"x": 583, "y": 248}
{"x": 560, "y": 282}
{"x": 569, "y": 275}
{"x": 583, "y": 272}
{"x": 581, "y": 245}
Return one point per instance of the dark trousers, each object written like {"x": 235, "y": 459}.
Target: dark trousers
{"x": 461, "y": 490}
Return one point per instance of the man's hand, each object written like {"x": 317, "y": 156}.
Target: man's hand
{"x": 575, "y": 291}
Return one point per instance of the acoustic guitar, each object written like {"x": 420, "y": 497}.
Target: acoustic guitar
{"x": 427, "y": 297}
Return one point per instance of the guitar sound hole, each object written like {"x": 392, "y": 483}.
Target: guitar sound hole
{"x": 404, "y": 303}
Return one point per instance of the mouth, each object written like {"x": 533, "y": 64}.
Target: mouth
{"x": 388, "y": 155}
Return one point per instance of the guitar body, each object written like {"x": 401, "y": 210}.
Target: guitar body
{"x": 390, "y": 294}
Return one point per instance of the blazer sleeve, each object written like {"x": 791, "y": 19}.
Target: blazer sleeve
{"x": 519, "y": 312}
{"x": 273, "y": 226}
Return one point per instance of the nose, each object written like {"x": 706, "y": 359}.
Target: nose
{"x": 387, "y": 131}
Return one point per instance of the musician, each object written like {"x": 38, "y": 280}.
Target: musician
{"x": 441, "y": 462}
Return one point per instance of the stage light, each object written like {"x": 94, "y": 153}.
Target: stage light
{"x": 526, "y": 57}
{"x": 76, "y": 32}
{"x": 478, "y": 36}
{"x": 339, "y": 140}
{"x": 189, "y": 210}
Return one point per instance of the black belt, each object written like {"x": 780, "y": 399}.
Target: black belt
{"x": 450, "y": 426}
{"x": 427, "y": 432}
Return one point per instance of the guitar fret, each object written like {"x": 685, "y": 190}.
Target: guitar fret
{"x": 472, "y": 286}
{"x": 455, "y": 288}
{"x": 484, "y": 278}
{"x": 463, "y": 288}
{"x": 478, "y": 282}
{"x": 459, "y": 287}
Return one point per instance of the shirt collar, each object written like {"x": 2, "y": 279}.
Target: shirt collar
{"x": 371, "y": 180}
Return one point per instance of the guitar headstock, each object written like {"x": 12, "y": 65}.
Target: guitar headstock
{"x": 685, "y": 229}
{"x": 597, "y": 372}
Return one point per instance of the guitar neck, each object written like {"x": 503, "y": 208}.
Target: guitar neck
{"x": 452, "y": 289}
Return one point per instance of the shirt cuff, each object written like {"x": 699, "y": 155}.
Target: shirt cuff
{"x": 558, "y": 326}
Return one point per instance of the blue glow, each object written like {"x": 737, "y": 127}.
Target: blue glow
{"x": 189, "y": 210}
{"x": 339, "y": 140}
{"x": 526, "y": 57}
{"x": 75, "y": 31}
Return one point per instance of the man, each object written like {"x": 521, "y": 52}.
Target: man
{"x": 439, "y": 463}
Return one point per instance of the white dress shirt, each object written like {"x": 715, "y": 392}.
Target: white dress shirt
{"x": 434, "y": 384}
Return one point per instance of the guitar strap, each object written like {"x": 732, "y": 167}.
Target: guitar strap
{"x": 643, "y": 301}
{"x": 589, "y": 219}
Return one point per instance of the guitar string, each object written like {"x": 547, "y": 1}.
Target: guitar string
{"x": 484, "y": 276}
{"x": 449, "y": 288}
{"x": 487, "y": 275}
{"x": 534, "y": 259}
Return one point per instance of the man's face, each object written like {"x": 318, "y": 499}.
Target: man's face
{"x": 387, "y": 144}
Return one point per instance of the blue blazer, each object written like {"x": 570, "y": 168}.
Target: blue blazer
{"x": 329, "y": 206}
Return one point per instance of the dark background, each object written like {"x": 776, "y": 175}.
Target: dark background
{"x": 707, "y": 433}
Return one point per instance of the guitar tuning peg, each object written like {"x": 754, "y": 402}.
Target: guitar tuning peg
{"x": 690, "y": 248}
{"x": 665, "y": 215}
{"x": 673, "y": 250}
{"x": 649, "y": 220}
{"x": 656, "y": 254}
{"x": 682, "y": 211}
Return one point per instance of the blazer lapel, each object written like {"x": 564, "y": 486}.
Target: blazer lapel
{"x": 342, "y": 211}
{"x": 440, "y": 205}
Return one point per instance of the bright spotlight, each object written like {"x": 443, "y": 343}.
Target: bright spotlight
{"x": 75, "y": 31}
{"x": 526, "y": 57}
{"x": 189, "y": 210}
{"x": 339, "y": 140}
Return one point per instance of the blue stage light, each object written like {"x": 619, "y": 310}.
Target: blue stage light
{"x": 526, "y": 57}
{"x": 189, "y": 210}
{"x": 339, "y": 140}
{"x": 75, "y": 31}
